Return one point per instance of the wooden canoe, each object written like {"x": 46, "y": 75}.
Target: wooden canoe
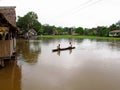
{"x": 61, "y": 49}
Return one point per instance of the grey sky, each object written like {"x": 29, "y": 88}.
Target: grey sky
{"x": 70, "y": 13}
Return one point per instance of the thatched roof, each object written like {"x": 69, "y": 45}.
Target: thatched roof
{"x": 5, "y": 23}
{"x": 9, "y": 13}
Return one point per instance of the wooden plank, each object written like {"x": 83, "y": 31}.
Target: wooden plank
{"x": 6, "y": 48}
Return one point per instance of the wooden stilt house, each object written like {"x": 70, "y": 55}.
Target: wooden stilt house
{"x": 8, "y": 32}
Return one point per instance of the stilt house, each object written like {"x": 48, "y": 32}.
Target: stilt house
{"x": 8, "y": 32}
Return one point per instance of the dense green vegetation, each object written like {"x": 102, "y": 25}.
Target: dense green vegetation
{"x": 30, "y": 21}
{"x": 80, "y": 37}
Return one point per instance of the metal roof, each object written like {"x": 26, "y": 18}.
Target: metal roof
{"x": 115, "y": 31}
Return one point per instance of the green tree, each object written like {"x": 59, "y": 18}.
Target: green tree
{"x": 41, "y": 31}
{"x": 118, "y": 25}
{"x": 59, "y": 29}
{"x": 113, "y": 27}
{"x": 90, "y": 32}
{"x": 79, "y": 30}
{"x": 102, "y": 31}
{"x": 68, "y": 30}
{"x": 29, "y": 21}
{"x": 47, "y": 29}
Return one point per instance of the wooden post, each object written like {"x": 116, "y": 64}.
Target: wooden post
{"x": 2, "y": 62}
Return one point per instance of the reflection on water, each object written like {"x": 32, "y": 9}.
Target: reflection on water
{"x": 10, "y": 76}
{"x": 92, "y": 65}
{"x": 58, "y": 52}
{"x": 29, "y": 50}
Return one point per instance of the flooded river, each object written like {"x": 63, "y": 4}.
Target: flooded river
{"x": 92, "y": 65}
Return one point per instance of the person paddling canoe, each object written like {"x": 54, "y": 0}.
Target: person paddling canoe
{"x": 58, "y": 47}
{"x": 70, "y": 45}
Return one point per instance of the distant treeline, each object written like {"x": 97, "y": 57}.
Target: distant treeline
{"x": 30, "y": 21}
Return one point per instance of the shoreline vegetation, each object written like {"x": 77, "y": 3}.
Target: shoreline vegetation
{"x": 80, "y": 37}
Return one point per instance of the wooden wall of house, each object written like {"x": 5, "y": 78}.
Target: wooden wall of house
{"x": 6, "y": 48}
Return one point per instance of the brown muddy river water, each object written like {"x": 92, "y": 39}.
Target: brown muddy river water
{"x": 92, "y": 65}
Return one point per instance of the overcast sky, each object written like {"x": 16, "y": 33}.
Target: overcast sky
{"x": 70, "y": 13}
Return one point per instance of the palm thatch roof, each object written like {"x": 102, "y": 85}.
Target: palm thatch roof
{"x": 5, "y": 23}
{"x": 9, "y": 13}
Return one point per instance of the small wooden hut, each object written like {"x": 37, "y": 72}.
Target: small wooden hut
{"x": 31, "y": 34}
{"x": 114, "y": 33}
{"x": 8, "y": 32}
